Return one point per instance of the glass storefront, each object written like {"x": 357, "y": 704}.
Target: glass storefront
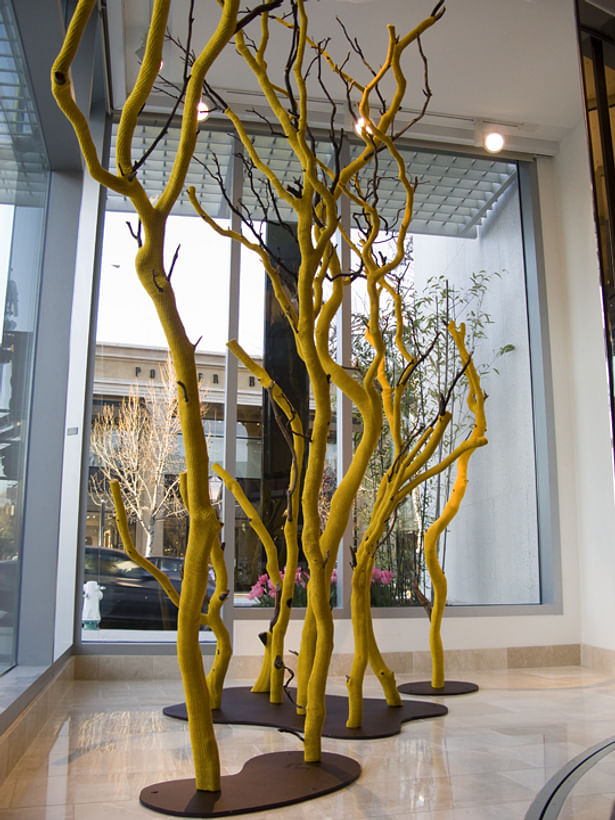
{"x": 465, "y": 256}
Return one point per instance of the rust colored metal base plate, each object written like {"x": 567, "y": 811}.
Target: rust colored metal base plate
{"x": 265, "y": 782}
{"x": 424, "y": 687}
{"x": 241, "y": 706}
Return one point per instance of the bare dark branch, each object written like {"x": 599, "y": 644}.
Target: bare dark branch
{"x": 426, "y": 93}
{"x": 218, "y": 101}
{"x": 138, "y": 234}
{"x": 263, "y": 8}
{"x": 290, "y": 63}
{"x": 356, "y": 47}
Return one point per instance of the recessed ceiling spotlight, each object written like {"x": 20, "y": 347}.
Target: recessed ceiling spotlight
{"x": 202, "y": 111}
{"x": 489, "y": 136}
{"x": 493, "y": 141}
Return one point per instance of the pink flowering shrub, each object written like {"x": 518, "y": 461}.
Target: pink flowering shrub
{"x": 263, "y": 587}
{"x": 382, "y": 576}
{"x": 263, "y": 591}
{"x": 382, "y": 587}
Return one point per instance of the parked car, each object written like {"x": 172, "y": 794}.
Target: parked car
{"x": 171, "y": 565}
{"x": 132, "y": 598}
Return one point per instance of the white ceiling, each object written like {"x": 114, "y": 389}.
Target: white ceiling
{"x": 512, "y": 62}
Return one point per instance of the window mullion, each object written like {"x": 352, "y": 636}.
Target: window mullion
{"x": 230, "y": 381}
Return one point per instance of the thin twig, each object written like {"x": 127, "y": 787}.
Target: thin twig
{"x": 136, "y": 235}
{"x": 173, "y": 261}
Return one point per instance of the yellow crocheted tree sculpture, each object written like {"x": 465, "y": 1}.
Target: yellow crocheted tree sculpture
{"x": 476, "y": 405}
{"x": 318, "y": 199}
{"x": 204, "y": 538}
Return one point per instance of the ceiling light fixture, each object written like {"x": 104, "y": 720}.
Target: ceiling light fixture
{"x": 202, "y": 111}
{"x": 493, "y": 142}
{"x": 489, "y": 136}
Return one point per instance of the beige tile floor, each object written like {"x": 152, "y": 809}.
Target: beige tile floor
{"x": 485, "y": 760}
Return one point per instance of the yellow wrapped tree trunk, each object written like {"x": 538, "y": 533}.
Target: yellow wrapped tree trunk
{"x": 204, "y": 525}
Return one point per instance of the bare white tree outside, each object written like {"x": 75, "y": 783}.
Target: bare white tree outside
{"x": 139, "y": 445}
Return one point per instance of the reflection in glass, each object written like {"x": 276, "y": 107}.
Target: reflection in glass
{"x": 23, "y": 197}
{"x": 135, "y": 392}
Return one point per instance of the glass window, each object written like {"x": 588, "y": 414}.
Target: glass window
{"x": 464, "y": 261}
{"x": 24, "y": 181}
{"x": 135, "y": 432}
{"x": 125, "y": 596}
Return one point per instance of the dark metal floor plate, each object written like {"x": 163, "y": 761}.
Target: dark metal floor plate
{"x": 424, "y": 687}
{"x": 265, "y": 782}
{"x": 241, "y": 706}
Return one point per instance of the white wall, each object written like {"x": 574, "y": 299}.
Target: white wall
{"x": 582, "y": 406}
{"x": 412, "y": 634}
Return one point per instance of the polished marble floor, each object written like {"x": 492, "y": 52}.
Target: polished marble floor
{"x": 485, "y": 760}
